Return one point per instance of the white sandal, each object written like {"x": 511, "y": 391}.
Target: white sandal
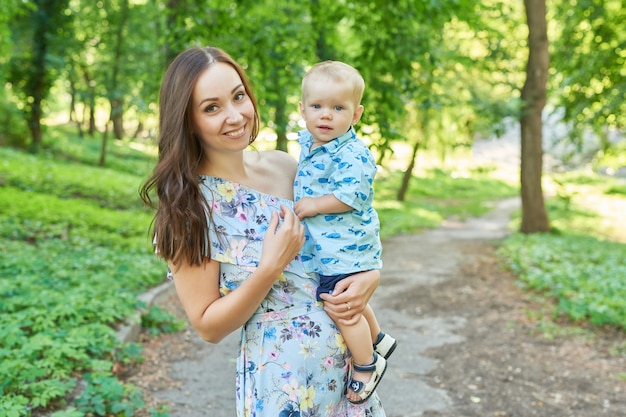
{"x": 365, "y": 390}
{"x": 385, "y": 345}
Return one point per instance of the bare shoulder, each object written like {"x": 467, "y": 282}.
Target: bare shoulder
{"x": 284, "y": 160}
{"x": 276, "y": 161}
{"x": 274, "y": 172}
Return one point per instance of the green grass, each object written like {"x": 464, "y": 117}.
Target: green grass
{"x": 74, "y": 255}
{"x": 580, "y": 265}
{"x": 434, "y": 196}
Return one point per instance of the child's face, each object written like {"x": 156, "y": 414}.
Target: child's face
{"x": 328, "y": 109}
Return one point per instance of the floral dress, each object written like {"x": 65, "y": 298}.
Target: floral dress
{"x": 292, "y": 360}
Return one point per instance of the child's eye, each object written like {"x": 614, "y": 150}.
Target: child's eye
{"x": 316, "y": 106}
{"x": 338, "y": 108}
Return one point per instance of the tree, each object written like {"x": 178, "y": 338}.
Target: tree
{"x": 534, "y": 215}
{"x": 589, "y": 61}
{"x": 13, "y": 128}
{"x": 33, "y": 68}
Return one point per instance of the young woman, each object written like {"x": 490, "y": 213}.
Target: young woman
{"x": 225, "y": 224}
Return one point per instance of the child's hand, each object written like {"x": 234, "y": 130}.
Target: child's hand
{"x": 306, "y": 207}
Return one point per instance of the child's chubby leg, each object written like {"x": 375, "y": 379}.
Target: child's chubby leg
{"x": 384, "y": 344}
{"x": 359, "y": 342}
{"x": 370, "y": 317}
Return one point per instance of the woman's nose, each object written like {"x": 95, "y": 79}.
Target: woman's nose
{"x": 233, "y": 115}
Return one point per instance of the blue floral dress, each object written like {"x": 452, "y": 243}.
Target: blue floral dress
{"x": 292, "y": 361}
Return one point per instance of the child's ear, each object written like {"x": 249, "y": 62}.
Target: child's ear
{"x": 358, "y": 112}
{"x": 301, "y": 108}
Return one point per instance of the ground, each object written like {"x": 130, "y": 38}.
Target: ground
{"x": 472, "y": 343}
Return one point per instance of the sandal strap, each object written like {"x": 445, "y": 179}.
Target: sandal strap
{"x": 365, "y": 389}
{"x": 370, "y": 367}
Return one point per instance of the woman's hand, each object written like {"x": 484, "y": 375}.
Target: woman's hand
{"x": 282, "y": 241}
{"x": 354, "y": 291}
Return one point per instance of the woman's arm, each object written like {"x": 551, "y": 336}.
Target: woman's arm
{"x": 356, "y": 290}
{"x": 213, "y": 316}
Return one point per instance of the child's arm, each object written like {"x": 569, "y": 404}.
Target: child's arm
{"x": 309, "y": 206}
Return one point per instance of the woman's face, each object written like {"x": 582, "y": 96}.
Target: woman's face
{"x": 222, "y": 112}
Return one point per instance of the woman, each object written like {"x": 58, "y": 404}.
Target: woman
{"x": 225, "y": 225}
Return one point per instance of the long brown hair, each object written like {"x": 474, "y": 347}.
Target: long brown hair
{"x": 180, "y": 225}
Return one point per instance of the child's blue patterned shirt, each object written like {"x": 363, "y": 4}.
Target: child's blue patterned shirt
{"x": 346, "y": 242}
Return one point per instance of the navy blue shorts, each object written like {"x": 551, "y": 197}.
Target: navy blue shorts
{"x": 327, "y": 283}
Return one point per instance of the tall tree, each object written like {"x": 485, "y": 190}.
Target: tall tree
{"x": 13, "y": 128}
{"x": 33, "y": 67}
{"x": 283, "y": 47}
{"x": 116, "y": 87}
{"x": 534, "y": 214}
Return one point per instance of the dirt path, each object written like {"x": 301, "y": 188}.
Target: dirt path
{"x": 468, "y": 346}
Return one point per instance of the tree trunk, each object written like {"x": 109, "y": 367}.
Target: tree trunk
{"x": 73, "y": 113}
{"x": 103, "y": 149}
{"x": 92, "y": 115}
{"x": 534, "y": 215}
{"x": 173, "y": 45}
{"x": 115, "y": 94}
{"x": 37, "y": 84}
{"x": 408, "y": 173}
{"x": 281, "y": 119}
{"x": 91, "y": 104}
{"x": 324, "y": 50}
{"x": 117, "y": 117}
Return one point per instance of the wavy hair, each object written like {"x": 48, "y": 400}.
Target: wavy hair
{"x": 180, "y": 225}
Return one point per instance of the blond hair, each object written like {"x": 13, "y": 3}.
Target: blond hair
{"x": 336, "y": 71}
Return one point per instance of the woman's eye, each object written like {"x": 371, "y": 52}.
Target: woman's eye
{"x": 211, "y": 108}
{"x": 240, "y": 96}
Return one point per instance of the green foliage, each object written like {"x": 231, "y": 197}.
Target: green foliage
{"x": 162, "y": 411}
{"x": 13, "y": 129}
{"x": 577, "y": 266}
{"x": 107, "y": 187}
{"x": 74, "y": 255}
{"x": 158, "y": 321}
{"x": 612, "y": 158}
{"x": 594, "y": 28}
{"x": 33, "y": 216}
{"x": 105, "y": 395}
{"x": 584, "y": 275}
{"x": 123, "y": 156}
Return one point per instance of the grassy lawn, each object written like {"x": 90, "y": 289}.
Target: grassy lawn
{"x": 75, "y": 253}
{"x": 578, "y": 269}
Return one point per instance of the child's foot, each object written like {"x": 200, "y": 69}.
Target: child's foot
{"x": 385, "y": 345}
{"x": 364, "y": 379}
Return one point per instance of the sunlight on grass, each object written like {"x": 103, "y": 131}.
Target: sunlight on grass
{"x": 580, "y": 264}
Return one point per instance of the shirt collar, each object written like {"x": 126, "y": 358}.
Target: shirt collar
{"x": 306, "y": 140}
